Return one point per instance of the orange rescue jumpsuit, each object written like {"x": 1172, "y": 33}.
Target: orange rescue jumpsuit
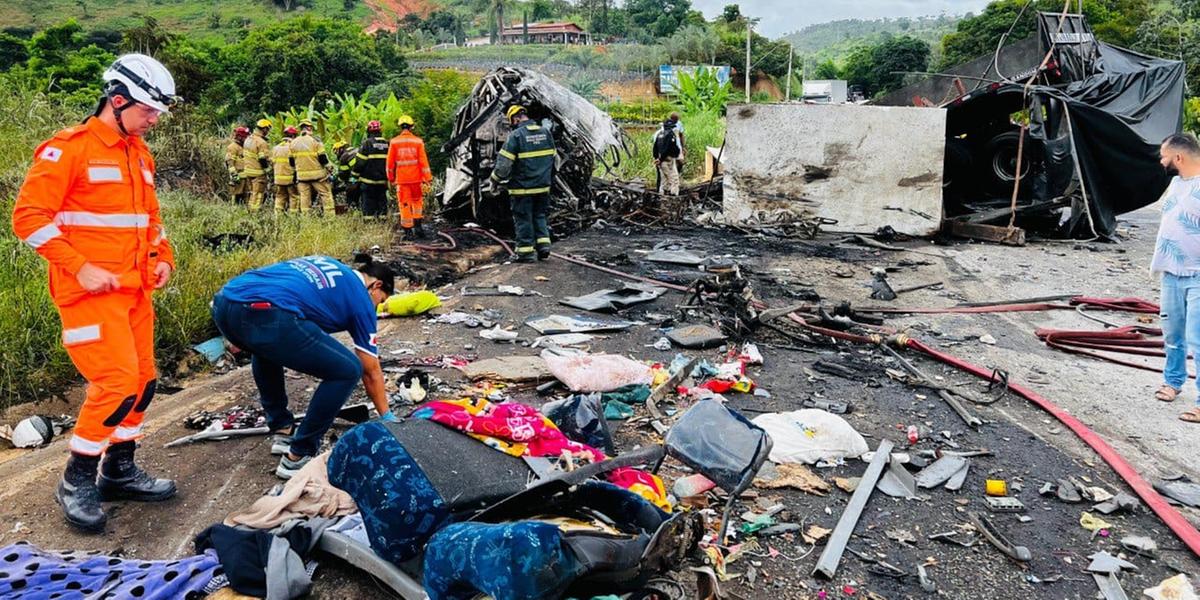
{"x": 89, "y": 198}
{"x": 408, "y": 168}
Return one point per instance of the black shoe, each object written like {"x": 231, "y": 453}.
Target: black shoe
{"x": 78, "y": 496}
{"x": 527, "y": 257}
{"x": 419, "y": 229}
{"x": 121, "y": 479}
{"x": 543, "y": 253}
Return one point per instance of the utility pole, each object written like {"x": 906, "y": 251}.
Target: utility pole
{"x": 748, "y": 27}
{"x": 787, "y": 96}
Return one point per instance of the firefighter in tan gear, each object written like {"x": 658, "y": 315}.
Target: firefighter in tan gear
{"x": 256, "y": 163}
{"x": 283, "y": 167}
{"x": 88, "y": 206}
{"x": 233, "y": 162}
{"x": 312, "y": 170}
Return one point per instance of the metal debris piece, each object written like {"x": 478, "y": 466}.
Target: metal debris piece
{"x": 1120, "y": 502}
{"x": 880, "y": 288}
{"x": 957, "y": 480}
{"x": 696, "y": 336}
{"x": 1110, "y": 587}
{"x": 836, "y": 407}
{"x": 927, "y": 584}
{"x": 1183, "y": 492}
{"x": 897, "y": 482}
{"x": 1067, "y": 492}
{"x": 832, "y": 555}
{"x": 951, "y": 537}
{"x": 676, "y": 257}
{"x": 1139, "y": 545}
{"x": 554, "y": 324}
{"x": 950, "y": 400}
{"x": 1105, "y": 563}
{"x": 940, "y": 471}
{"x": 995, "y": 538}
{"x": 613, "y": 300}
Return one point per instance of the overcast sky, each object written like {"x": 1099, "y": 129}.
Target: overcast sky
{"x": 784, "y": 16}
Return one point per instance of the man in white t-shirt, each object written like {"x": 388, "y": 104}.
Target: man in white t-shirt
{"x": 1177, "y": 260}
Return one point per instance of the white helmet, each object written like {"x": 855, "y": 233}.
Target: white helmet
{"x": 141, "y": 79}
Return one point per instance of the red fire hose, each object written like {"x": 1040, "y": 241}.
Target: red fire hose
{"x": 1136, "y": 305}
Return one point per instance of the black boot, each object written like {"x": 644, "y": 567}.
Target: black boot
{"x": 419, "y": 229}
{"x": 121, "y": 479}
{"x": 406, "y": 234}
{"x": 78, "y": 496}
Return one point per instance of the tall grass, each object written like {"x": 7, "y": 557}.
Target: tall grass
{"x": 33, "y": 364}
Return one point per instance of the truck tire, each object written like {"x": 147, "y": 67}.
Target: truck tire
{"x": 998, "y": 163}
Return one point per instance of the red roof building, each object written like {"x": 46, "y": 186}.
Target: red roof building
{"x": 546, "y": 33}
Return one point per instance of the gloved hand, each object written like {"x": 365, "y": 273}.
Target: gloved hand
{"x": 388, "y": 416}
{"x": 233, "y": 176}
{"x": 491, "y": 189}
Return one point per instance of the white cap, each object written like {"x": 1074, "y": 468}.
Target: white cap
{"x": 147, "y": 80}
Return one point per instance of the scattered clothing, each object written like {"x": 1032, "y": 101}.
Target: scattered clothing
{"x": 307, "y": 494}
{"x": 29, "y": 573}
{"x": 520, "y": 430}
{"x": 266, "y": 564}
{"x": 510, "y": 561}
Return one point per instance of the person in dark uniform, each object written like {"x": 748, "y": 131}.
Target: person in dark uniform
{"x": 370, "y": 169}
{"x": 525, "y": 167}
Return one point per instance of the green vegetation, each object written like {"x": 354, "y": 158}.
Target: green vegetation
{"x": 215, "y": 19}
{"x": 834, "y": 41}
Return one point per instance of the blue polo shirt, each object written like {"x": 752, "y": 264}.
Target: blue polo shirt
{"x": 317, "y": 288}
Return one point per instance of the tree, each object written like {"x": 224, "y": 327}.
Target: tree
{"x": 660, "y": 18}
{"x": 880, "y": 68}
{"x": 1114, "y": 21}
{"x": 146, "y": 38}
{"x": 60, "y": 59}
{"x": 693, "y": 44}
{"x": 290, "y": 62}
{"x": 541, "y": 10}
{"x": 732, "y": 13}
{"x": 894, "y": 58}
{"x": 494, "y": 9}
{"x": 826, "y": 70}
{"x": 13, "y": 51}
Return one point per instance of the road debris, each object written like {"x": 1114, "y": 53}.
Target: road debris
{"x": 827, "y": 564}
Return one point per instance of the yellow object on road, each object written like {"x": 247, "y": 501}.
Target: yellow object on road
{"x": 407, "y": 305}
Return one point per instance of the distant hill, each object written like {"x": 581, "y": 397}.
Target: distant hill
{"x": 835, "y": 39}
{"x": 216, "y": 18}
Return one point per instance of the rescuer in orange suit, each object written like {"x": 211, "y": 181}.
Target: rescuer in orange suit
{"x": 88, "y": 206}
{"x": 408, "y": 170}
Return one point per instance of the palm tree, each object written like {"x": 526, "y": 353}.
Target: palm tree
{"x": 495, "y": 11}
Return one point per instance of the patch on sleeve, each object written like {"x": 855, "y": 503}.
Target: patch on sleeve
{"x": 374, "y": 340}
{"x": 50, "y": 153}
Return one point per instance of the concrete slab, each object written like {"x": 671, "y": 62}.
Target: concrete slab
{"x": 865, "y": 166}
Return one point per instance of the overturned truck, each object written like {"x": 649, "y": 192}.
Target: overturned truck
{"x": 1096, "y": 115}
{"x": 585, "y": 136}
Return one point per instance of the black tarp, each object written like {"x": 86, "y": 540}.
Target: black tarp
{"x": 1111, "y": 117}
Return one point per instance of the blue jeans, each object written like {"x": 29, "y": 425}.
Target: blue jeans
{"x": 277, "y": 339}
{"x": 1180, "y": 318}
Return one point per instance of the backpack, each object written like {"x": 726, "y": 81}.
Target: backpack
{"x": 666, "y": 144}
